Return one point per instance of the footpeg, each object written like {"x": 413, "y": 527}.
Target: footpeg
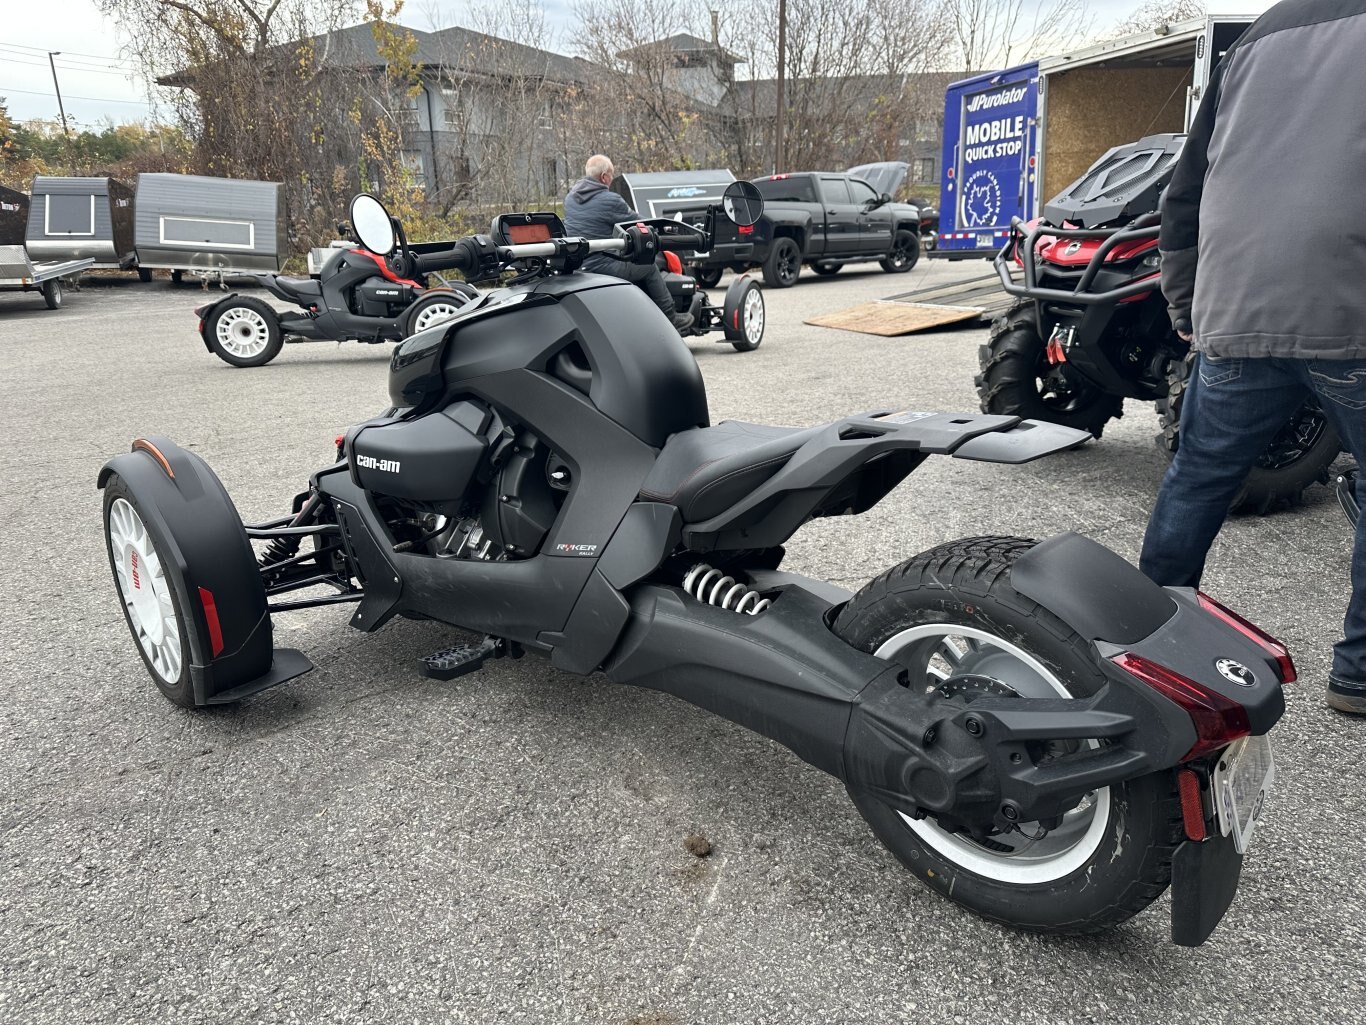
{"x": 449, "y": 663}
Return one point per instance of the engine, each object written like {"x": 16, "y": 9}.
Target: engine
{"x": 380, "y": 297}
{"x": 460, "y": 482}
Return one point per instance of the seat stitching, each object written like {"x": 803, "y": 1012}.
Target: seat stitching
{"x": 744, "y": 469}
{"x": 674, "y": 494}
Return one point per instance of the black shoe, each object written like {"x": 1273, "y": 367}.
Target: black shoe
{"x": 1347, "y": 697}
{"x": 683, "y": 321}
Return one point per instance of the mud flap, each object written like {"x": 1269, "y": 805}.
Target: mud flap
{"x": 1204, "y": 880}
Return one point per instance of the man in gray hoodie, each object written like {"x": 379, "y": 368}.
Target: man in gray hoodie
{"x": 1264, "y": 267}
{"x": 592, "y": 210}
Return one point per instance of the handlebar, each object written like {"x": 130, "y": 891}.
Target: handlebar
{"x": 640, "y": 242}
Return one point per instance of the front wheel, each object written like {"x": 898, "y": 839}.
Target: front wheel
{"x": 434, "y": 307}
{"x": 1298, "y": 456}
{"x": 1018, "y": 380}
{"x": 784, "y": 264}
{"x": 952, "y": 619}
{"x": 244, "y": 332}
{"x": 904, "y": 254}
{"x": 743, "y": 315}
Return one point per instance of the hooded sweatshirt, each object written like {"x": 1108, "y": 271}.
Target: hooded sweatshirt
{"x": 592, "y": 210}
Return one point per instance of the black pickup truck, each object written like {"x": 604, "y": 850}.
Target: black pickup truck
{"x": 819, "y": 219}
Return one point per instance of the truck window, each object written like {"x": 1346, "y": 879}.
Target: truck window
{"x": 786, "y": 190}
{"x": 834, "y": 190}
{"x": 861, "y": 192}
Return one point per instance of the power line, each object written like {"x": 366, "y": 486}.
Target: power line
{"x": 71, "y": 53}
{"x": 75, "y": 69}
{"x": 6, "y": 90}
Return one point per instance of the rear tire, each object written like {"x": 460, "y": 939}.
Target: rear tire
{"x": 744, "y": 314}
{"x": 244, "y": 331}
{"x": 784, "y": 264}
{"x": 905, "y": 252}
{"x": 708, "y": 277}
{"x": 151, "y": 605}
{"x": 52, "y": 294}
{"x": 1111, "y": 856}
{"x": 1017, "y": 380}
{"x": 1296, "y": 459}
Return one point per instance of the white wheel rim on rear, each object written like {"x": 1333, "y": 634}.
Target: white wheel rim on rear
{"x": 144, "y": 590}
{"x": 754, "y": 315}
{"x": 1082, "y": 829}
{"x": 243, "y": 332}
{"x": 433, "y": 314}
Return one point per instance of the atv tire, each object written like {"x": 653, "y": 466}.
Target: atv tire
{"x": 1014, "y": 363}
{"x": 708, "y": 277}
{"x": 1298, "y": 457}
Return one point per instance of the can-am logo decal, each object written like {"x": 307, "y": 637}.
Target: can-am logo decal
{"x": 371, "y": 463}
{"x": 686, "y": 192}
{"x": 1235, "y": 672}
{"x": 577, "y": 549}
{"x": 137, "y": 581}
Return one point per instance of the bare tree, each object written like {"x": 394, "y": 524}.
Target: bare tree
{"x": 998, "y": 33}
{"x": 1155, "y": 13}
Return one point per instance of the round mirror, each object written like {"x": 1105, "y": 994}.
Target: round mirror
{"x": 372, "y": 224}
{"x": 743, "y": 203}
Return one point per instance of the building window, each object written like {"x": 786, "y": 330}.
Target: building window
{"x": 924, "y": 169}
{"x": 454, "y": 110}
{"x": 405, "y": 117}
{"x": 412, "y": 161}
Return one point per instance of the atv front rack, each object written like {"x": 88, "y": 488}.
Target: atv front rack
{"x": 1023, "y": 240}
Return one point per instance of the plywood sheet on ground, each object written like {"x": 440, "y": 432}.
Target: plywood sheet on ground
{"x": 895, "y": 318}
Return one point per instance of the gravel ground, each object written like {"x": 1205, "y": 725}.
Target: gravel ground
{"x": 364, "y": 845}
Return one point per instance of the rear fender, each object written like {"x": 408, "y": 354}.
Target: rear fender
{"x": 852, "y": 464}
{"x": 197, "y": 528}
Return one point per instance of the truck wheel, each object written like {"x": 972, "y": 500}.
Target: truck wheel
{"x": 904, "y": 254}
{"x": 827, "y": 269}
{"x": 1018, "y": 380}
{"x": 929, "y": 241}
{"x": 1297, "y": 457}
{"x": 244, "y": 332}
{"x": 708, "y": 277}
{"x": 784, "y": 263}
{"x": 52, "y": 294}
{"x": 743, "y": 316}
{"x": 951, "y": 618}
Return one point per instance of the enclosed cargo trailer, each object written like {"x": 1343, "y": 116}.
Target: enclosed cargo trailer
{"x": 76, "y": 218}
{"x": 13, "y": 217}
{"x": 209, "y": 226}
{"x": 1013, "y": 138}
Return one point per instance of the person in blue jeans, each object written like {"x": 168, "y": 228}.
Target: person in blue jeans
{"x": 1264, "y": 269}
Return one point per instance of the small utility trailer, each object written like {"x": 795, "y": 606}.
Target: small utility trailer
{"x": 20, "y": 274}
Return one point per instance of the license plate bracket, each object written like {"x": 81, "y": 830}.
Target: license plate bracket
{"x": 1242, "y": 780}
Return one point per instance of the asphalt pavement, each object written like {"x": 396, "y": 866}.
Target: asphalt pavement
{"x": 364, "y": 845}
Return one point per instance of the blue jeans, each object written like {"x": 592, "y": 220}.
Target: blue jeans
{"x": 1232, "y": 410}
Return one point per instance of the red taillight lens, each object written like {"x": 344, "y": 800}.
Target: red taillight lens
{"x": 1192, "y": 807}
{"x": 745, "y": 229}
{"x": 1218, "y": 721}
{"x": 1252, "y": 632}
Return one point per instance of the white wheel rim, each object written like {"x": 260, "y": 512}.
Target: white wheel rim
{"x": 754, "y": 315}
{"x": 243, "y": 332}
{"x": 433, "y": 314}
{"x": 1065, "y": 849}
{"x": 144, "y": 590}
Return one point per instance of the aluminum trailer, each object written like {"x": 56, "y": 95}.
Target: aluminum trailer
{"x": 74, "y": 218}
{"x": 20, "y": 274}
{"x": 211, "y": 227}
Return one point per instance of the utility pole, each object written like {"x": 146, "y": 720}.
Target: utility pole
{"x": 53, "y": 65}
{"x": 781, "y": 113}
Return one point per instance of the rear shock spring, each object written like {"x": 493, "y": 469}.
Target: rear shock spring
{"x": 712, "y": 587}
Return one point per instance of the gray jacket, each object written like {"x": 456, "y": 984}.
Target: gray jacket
{"x": 592, "y": 210}
{"x": 1264, "y": 224}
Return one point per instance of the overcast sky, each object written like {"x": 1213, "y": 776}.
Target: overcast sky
{"x": 97, "y": 83}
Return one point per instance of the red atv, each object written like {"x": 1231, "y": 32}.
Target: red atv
{"x": 1091, "y": 328}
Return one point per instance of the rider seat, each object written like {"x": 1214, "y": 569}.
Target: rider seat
{"x": 705, "y": 471}
{"x": 300, "y": 288}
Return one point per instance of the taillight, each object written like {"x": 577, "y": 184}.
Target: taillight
{"x": 745, "y": 229}
{"x": 1252, "y": 632}
{"x": 1192, "y": 805}
{"x": 1218, "y": 721}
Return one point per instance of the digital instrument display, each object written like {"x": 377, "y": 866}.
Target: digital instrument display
{"x": 521, "y": 234}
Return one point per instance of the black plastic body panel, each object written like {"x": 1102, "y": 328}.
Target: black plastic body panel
{"x": 431, "y": 459}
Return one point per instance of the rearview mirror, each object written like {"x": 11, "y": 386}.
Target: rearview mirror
{"x": 373, "y": 225}
{"x": 743, "y": 203}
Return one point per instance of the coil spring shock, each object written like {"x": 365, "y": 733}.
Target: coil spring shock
{"x": 712, "y": 587}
